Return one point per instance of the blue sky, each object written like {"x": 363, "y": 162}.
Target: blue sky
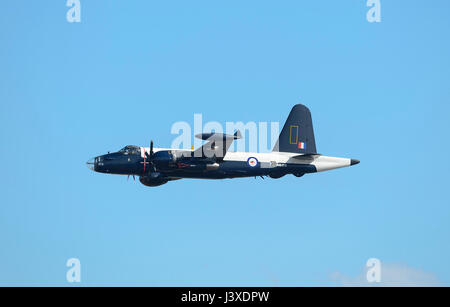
{"x": 378, "y": 92}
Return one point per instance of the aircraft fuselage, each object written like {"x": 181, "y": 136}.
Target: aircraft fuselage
{"x": 294, "y": 153}
{"x": 234, "y": 164}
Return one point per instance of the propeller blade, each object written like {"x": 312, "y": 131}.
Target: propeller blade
{"x": 145, "y": 162}
{"x": 150, "y": 160}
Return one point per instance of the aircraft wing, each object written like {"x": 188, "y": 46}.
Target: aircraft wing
{"x": 217, "y": 144}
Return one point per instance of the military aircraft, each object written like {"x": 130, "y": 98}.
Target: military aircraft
{"x": 294, "y": 153}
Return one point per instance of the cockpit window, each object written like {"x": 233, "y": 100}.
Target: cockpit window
{"x": 130, "y": 150}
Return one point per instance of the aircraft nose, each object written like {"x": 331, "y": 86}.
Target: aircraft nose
{"x": 91, "y": 164}
{"x": 354, "y": 161}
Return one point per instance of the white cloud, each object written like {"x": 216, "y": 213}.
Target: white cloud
{"x": 392, "y": 275}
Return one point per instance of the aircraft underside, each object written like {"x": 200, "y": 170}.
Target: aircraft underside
{"x": 238, "y": 169}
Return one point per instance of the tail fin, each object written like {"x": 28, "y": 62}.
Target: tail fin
{"x": 297, "y": 135}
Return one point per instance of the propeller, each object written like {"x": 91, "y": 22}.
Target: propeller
{"x": 134, "y": 178}
{"x": 149, "y": 157}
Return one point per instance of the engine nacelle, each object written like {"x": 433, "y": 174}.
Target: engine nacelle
{"x": 166, "y": 159}
{"x": 153, "y": 179}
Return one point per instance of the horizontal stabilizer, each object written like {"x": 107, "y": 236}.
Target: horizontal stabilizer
{"x": 309, "y": 157}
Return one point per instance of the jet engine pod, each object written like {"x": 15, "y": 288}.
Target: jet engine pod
{"x": 153, "y": 179}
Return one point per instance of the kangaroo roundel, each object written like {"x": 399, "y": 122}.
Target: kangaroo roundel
{"x": 252, "y": 162}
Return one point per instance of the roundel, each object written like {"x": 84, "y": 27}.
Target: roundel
{"x": 252, "y": 162}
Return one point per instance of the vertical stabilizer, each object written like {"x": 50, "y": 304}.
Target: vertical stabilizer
{"x": 297, "y": 135}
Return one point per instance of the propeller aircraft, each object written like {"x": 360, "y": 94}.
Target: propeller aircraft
{"x": 294, "y": 153}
